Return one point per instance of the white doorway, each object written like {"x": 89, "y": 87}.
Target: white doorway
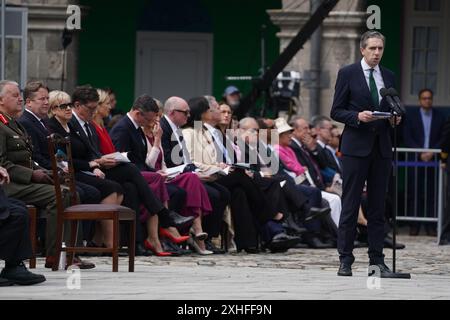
{"x": 173, "y": 64}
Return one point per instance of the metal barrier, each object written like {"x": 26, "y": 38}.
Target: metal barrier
{"x": 423, "y": 197}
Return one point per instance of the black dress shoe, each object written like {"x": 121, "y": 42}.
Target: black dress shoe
{"x": 177, "y": 220}
{"x": 313, "y": 241}
{"x": 389, "y": 243}
{"x": 5, "y": 282}
{"x": 282, "y": 242}
{"x": 249, "y": 250}
{"x": 141, "y": 251}
{"x": 290, "y": 225}
{"x": 173, "y": 248}
{"x": 345, "y": 270}
{"x": 316, "y": 213}
{"x": 21, "y": 275}
{"x": 209, "y": 246}
{"x": 384, "y": 270}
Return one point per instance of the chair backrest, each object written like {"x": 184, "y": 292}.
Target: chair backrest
{"x": 57, "y": 144}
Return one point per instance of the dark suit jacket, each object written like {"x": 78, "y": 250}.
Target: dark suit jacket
{"x": 82, "y": 152}
{"x": 38, "y": 135}
{"x": 352, "y": 95}
{"x": 168, "y": 144}
{"x": 127, "y": 139}
{"x": 413, "y": 134}
{"x": 305, "y": 161}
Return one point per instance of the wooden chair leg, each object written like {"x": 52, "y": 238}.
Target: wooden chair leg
{"x": 59, "y": 238}
{"x": 73, "y": 239}
{"x": 115, "y": 253}
{"x": 32, "y": 213}
{"x": 131, "y": 245}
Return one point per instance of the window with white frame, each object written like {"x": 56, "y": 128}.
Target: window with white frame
{"x": 425, "y": 50}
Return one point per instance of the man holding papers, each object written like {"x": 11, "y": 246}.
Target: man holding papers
{"x": 366, "y": 148}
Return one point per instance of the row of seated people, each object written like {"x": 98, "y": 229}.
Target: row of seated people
{"x": 258, "y": 206}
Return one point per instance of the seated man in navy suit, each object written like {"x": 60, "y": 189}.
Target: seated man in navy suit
{"x": 366, "y": 148}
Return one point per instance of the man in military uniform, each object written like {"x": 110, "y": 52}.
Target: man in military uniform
{"x": 28, "y": 182}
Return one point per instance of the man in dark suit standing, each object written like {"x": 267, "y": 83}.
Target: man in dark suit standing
{"x": 366, "y": 148}
{"x": 423, "y": 128}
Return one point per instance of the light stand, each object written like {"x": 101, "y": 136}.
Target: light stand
{"x": 395, "y": 275}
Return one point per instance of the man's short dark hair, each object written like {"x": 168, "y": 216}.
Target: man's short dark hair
{"x": 85, "y": 94}
{"x": 145, "y": 103}
{"x": 32, "y": 87}
{"x": 368, "y": 35}
{"x": 426, "y": 90}
{"x": 317, "y": 121}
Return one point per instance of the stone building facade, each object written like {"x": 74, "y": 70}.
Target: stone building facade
{"x": 46, "y": 22}
{"x": 341, "y": 32}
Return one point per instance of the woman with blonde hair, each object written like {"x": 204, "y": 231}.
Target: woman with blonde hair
{"x": 111, "y": 192}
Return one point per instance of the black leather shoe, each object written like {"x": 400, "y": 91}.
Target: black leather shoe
{"x": 141, "y": 251}
{"x": 5, "y": 282}
{"x": 290, "y": 225}
{"x": 177, "y": 220}
{"x": 389, "y": 243}
{"x": 316, "y": 213}
{"x": 384, "y": 272}
{"x": 282, "y": 242}
{"x": 209, "y": 246}
{"x": 249, "y": 250}
{"x": 345, "y": 270}
{"x": 21, "y": 275}
{"x": 173, "y": 248}
{"x": 314, "y": 242}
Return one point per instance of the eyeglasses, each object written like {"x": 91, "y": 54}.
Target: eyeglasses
{"x": 426, "y": 98}
{"x": 252, "y": 130}
{"x": 64, "y": 106}
{"x": 186, "y": 112}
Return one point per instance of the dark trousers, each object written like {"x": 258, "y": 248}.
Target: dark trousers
{"x": 356, "y": 171}
{"x": 219, "y": 197}
{"x": 256, "y": 200}
{"x": 15, "y": 244}
{"x": 245, "y": 224}
{"x": 88, "y": 195}
{"x": 177, "y": 197}
{"x": 131, "y": 200}
{"x": 127, "y": 172}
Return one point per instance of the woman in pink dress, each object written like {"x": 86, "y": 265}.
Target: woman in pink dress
{"x": 154, "y": 180}
{"x": 197, "y": 200}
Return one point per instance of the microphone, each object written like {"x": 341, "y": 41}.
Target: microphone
{"x": 394, "y": 94}
{"x": 385, "y": 94}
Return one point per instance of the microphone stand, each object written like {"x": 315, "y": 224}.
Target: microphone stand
{"x": 395, "y": 274}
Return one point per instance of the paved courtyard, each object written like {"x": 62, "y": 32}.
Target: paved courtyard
{"x": 297, "y": 274}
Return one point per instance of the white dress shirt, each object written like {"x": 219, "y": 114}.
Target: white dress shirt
{"x": 376, "y": 75}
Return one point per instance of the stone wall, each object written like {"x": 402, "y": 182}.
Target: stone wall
{"x": 340, "y": 43}
{"x": 46, "y": 22}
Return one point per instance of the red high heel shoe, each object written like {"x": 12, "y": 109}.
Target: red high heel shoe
{"x": 166, "y": 234}
{"x": 148, "y": 245}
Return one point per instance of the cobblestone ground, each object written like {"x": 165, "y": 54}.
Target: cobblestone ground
{"x": 297, "y": 274}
